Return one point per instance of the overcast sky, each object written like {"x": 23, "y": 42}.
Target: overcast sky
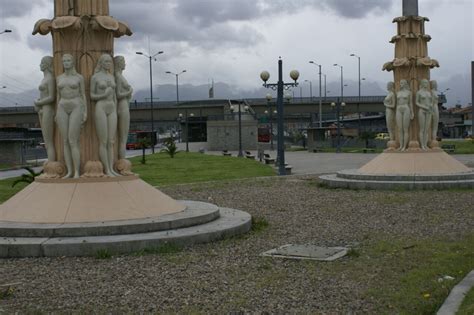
{"x": 232, "y": 41}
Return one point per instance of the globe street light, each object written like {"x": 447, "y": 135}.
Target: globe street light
{"x": 358, "y": 102}
{"x": 320, "y": 101}
{"x": 240, "y": 154}
{"x": 338, "y": 109}
{"x": 280, "y": 86}
{"x": 150, "y": 57}
{"x": 5, "y": 31}
{"x": 177, "y": 83}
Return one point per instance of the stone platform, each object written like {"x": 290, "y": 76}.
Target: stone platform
{"x": 79, "y": 217}
{"x": 405, "y": 170}
{"x": 198, "y": 223}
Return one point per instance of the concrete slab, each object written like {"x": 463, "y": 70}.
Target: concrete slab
{"x": 307, "y": 251}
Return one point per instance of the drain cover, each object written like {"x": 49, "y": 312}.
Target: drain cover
{"x": 295, "y": 251}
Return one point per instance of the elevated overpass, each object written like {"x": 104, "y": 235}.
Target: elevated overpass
{"x": 167, "y": 113}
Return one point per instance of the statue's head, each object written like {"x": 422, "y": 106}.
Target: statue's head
{"x": 424, "y": 84}
{"x": 119, "y": 63}
{"x": 68, "y": 61}
{"x": 390, "y": 86}
{"x": 434, "y": 85}
{"x": 404, "y": 85}
{"x": 47, "y": 63}
{"x": 104, "y": 63}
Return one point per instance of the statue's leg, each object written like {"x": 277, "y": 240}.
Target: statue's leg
{"x": 434, "y": 126}
{"x": 62, "y": 119}
{"x": 47, "y": 125}
{"x": 102, "y": 131}
{"x": 422, "y": 128}
{"x": 74, "y": 135}
{"x": 406, "y": 129}
{"x": 399, "y": 119}
{"x": 112, "y": 132}
{"x": 124, "y": 125}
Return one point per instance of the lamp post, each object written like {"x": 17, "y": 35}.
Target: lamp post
{"x": 177, "y": 83}
{"x": 338, "y": 109}
{"x": 5, "y": 31}
{"x": 186, "y": 125}
{"x": 310, "y": 89}
{"x": 269, "y": 98}
{"x": 150, "y": 57}
{"x": 320, "y": 100}
{"x": 280, "y": 86}
{"x": 325, "y": 88}
{"x": 358, "y": 101}
{"x": 240, "y": 154}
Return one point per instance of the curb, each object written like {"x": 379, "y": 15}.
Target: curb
{"x": 456, "y": 296}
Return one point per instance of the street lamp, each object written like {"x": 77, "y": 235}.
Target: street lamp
{"x": 358, "y": 102}
{"x": 342, "y": 80}
{"x": 269, "y": 98}
{"x": 444, "y": 92}
{"x": 186, "y": 124}
{"x": 150, "y": 57}
{"x": 5, "y": 31}
{"x": 338, "y": 109}
{"x": 325, "y": 88}
{"x": 310, "y": 89}
{"x": 177, "y": 83}
{"x": 320, "y": 100}
{"x": 280, "y": 86}
{"x": 240, "y": 154}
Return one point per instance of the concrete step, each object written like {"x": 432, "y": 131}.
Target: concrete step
{"x": 195, "y": 213}
{"x": 231, "y": 222}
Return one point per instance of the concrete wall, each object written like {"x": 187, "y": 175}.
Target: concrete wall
{"x": 224, "y": 135}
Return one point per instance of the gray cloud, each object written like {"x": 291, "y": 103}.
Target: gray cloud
{"x": 17, "y": 8}
{"x": 357, "y": 8}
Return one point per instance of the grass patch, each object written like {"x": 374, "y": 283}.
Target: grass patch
{"x": 409, "y": 283}
{"x": 259, "y": 224}
{"x": 164, "y": 249}
{"x": 103, "y": 254}
{"x": 6, "y": 189}
{"x": 189, "y": 167}
{"x": 467, "y": 306}
{"x": 462, "y": 146}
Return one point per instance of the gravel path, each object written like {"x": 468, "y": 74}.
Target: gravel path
{"x": 230, "y": 275}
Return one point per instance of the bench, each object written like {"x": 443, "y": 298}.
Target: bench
{"x": 226, "y": 153}
{"x": 288, "y": 168}
{"x": 249, "y": 155}
{"x": 268, "y": 159}
{"x": 365, "y": 150}
{"x": 317, "y": 149}
{"x": 448, "y": 147}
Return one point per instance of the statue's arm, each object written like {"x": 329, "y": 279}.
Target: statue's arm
{"x": 96, "y": 96}
{"x": 390, "y": 101}
{"x": 51, "y": 95}
{"x": 421, "y": 104}
{"x": 84, "y": 99}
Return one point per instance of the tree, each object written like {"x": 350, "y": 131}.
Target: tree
{"x": 170, "y": 147}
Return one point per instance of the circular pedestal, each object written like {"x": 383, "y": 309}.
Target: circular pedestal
{"x": 405, "y": 170}
{"x": 80, "y": 217}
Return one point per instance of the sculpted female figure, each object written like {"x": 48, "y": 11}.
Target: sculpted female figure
{"x": 390, "y": 103}
{"x": 424, "y": 101}
{"x": 404, "y": 114}
{"x": 435, "y": 115}
{"x": 103, "y": 92}
{"x": 124, "y": 93}
{"x": 45, "y": 106}
{"x": 71, "y": 114}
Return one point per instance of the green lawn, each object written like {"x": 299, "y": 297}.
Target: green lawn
{"x": 467, "y": 307}
{"x": 462, "y": 146}
{"x": 6, "y": 190}
{"x": 161, "y": 170}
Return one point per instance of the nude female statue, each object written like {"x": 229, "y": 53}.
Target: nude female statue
{"x": 124, "y": 93}
{"x": 435, "y": 115}
{"x": 424, "y": 101}
{"x": 103, "y": 92}
{"x": 45, "y": 106}
{"x": 404, "y": 114}
{"x": 390, "y": 103}
{"x": 71, "y": 114}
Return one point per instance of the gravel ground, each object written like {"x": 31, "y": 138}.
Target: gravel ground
{"x": 230, "y": 275}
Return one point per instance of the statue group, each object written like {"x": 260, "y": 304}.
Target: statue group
{"x": 400, "y": 112}
{"x": 112, "y": 94}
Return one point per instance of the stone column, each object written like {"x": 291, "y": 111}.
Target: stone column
{"x": 83, "y": 29}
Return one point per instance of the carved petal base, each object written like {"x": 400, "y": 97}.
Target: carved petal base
{"x": 53, "y": 170}
{"x": 414, "y": 146}
{"x": 124, "y": 167}
{"x": 392, "y": 145}
{"x": 434, "y": 145}
{"x": 93, "y": 169}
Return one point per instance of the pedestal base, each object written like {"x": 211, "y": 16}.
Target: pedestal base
{"x": 405, "y": 170}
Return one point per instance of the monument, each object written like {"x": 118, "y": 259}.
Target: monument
{"x": 413, "y": 159}
{"x": 88, "y": 199}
